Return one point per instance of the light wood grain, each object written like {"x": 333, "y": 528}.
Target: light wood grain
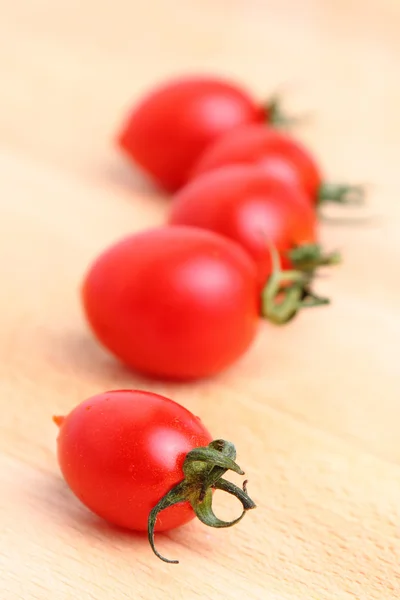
{"x": 314, "y": 408}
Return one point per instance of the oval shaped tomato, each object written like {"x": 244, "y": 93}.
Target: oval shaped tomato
{"x": 277, "y": 153}
{"x": 121, "y": 451}
{"x": 173, "y": 302}
{"x": 143, "y": 462}
{"x": 247, "y": 205}
{"x": 173, "y": 125}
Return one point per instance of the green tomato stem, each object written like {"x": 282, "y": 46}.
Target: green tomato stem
{"x": 308, "y": 257}
{"x": 275, "y": 116}
{"x": 287, "y": 292}
{"x": 340, "y": 194}
{"x": 203, "y": 469}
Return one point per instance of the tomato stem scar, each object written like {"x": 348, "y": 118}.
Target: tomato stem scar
{"x": 58, "y": 420}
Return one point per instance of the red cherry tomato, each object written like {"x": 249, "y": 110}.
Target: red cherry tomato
{"x": 173, "y": 125}
{"x": 142, "y": 461}
{"x": 174, "y": 302}
{"x": 279, "y": 155}
{"x": 121, "y": 451}
{"x": 249, "y": 206}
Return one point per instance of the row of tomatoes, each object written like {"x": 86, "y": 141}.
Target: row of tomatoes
{"x": 183, "y": 301}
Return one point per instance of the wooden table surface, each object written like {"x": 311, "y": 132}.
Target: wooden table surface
{"x": 314, "y": 408}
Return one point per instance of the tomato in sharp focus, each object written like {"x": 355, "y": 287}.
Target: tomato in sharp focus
{"x": 249, "y": 206}
{"x": 173, "y": 302}
{"x": 166, "y": 133}
{"x": 142, "y": 462}
{"x": 121, "y": 451}
{"x": 279, "y": 155}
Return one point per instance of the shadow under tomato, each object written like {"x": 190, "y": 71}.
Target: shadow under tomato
{"x": 66, "y": 511}
{"x": 79, "y": 353}
{"x": 127, "y": 176}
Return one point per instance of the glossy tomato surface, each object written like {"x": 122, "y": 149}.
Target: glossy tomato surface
{"x": 249, "y": 206}
{"x": 279, "y": 154}
{"x": 173, "y": 302}
{"x": 121, "y": 451}
{"x": 173, "y": 125}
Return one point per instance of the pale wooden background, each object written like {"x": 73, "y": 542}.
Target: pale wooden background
{"x": 314, "y": 408}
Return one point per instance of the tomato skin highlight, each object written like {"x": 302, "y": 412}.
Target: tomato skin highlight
{"x": 250, "y": 207}
{"x": 121, "y": 451}
{"x": 277, "y": 153}
{"x": 170, "y": 128}
{"x": 173, "y": 302}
